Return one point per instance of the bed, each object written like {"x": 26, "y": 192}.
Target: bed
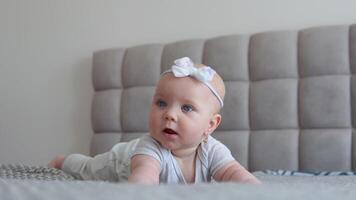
{"x": 290, "y": 105}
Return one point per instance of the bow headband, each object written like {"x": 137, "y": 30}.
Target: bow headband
{"x": 184, "y": 67}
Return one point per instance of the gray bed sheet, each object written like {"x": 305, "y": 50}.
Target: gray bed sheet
{"x": 273, "y": 187}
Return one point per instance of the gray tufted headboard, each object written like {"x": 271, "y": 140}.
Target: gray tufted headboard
{"x": 290, "y": 103}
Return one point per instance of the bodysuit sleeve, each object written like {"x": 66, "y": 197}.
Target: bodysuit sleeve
{"x": 149, "y": 146}
{"x": 218, "y": 155}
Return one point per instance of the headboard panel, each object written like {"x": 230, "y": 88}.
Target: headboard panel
{"x": 290, "y": 101}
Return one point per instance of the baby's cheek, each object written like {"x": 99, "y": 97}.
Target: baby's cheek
{"x": 152, "y": 121}
{"x": 155, "y": 119}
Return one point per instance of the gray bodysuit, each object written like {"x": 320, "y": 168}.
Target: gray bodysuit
{"x": 115, "y": 164}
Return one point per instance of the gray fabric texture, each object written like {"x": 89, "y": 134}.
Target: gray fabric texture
{"x": 274, "y": 188}
{"x": 290, "y": 101}
{"x": 25, "y": 172}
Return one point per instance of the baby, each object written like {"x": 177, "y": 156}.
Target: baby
{"x": 179, "y": 147}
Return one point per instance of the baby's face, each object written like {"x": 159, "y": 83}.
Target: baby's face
{"x": 181, "y": 112}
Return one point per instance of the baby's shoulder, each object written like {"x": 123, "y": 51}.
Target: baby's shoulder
{"x": 149, "y": 146}
{"x": 212, "y": 144}
{"x": 147, "y": 141}
{"x": 212, "y": 148}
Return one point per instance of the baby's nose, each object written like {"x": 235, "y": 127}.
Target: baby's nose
{"x": 170, "y": 116}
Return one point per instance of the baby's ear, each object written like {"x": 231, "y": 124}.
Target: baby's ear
{"x": 214, "y": 123}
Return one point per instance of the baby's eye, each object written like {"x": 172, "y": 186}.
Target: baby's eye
{"x": 161, "y": 103}
{"x": 187, "y": 108}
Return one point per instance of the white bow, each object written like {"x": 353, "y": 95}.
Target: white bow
{"x": 185, "y": 67}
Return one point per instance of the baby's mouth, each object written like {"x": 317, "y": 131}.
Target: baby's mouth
{"x": 170, "y": 131}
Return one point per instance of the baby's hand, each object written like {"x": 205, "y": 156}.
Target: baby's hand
{"x": 57, "y": 162}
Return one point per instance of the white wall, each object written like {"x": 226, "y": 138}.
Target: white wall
{"x": 46, "y": 48}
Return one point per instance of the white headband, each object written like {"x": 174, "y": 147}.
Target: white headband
{"x": 185, "y": 67}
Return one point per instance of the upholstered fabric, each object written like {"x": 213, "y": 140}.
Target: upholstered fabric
{"x": 290, "y": 101}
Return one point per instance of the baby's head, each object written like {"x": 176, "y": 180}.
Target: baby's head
{"x": 217, "y": 88}
{"x": 200, "y": 74}
{"x": 186, "y": 105}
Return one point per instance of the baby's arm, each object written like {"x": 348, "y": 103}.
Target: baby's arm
{"x": 144, "y": 170}
{"x": 233, "y": 171}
